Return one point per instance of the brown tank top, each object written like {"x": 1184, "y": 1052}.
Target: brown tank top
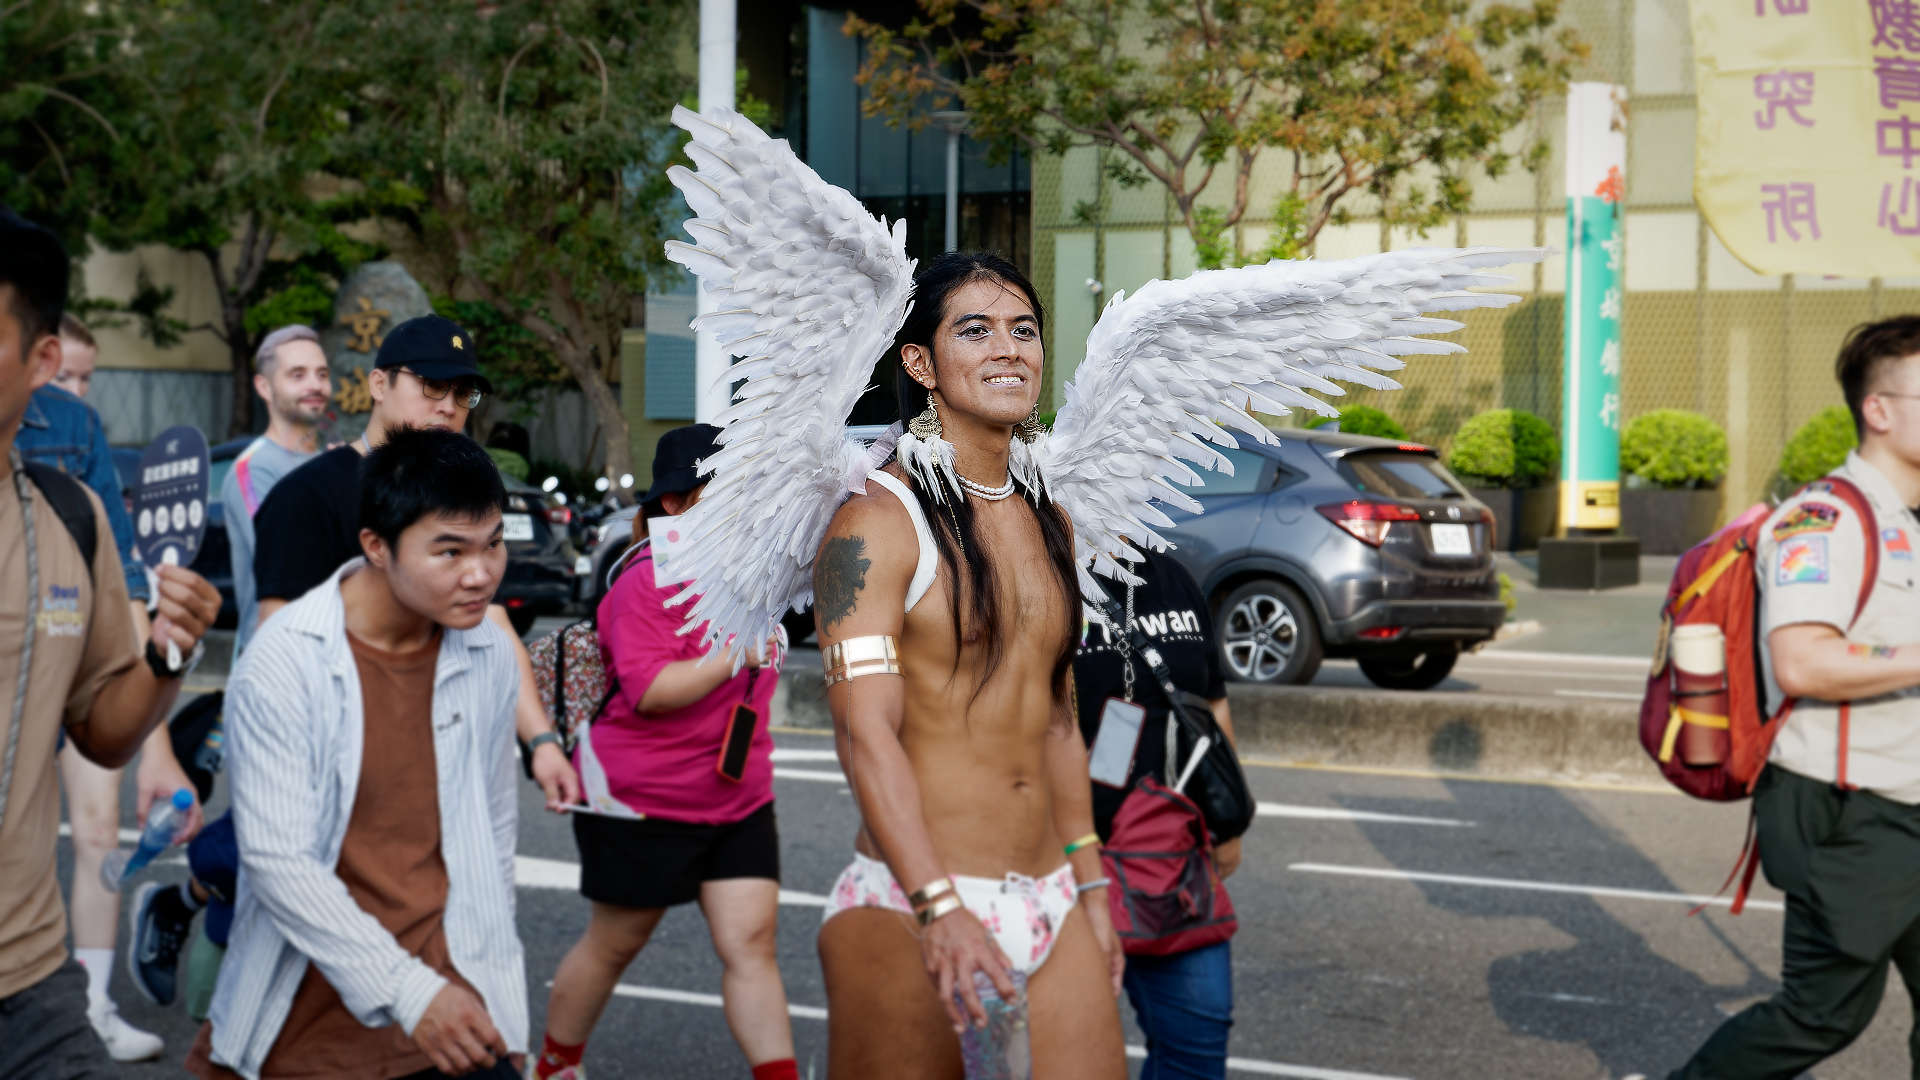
{"x": 391, "y": 864}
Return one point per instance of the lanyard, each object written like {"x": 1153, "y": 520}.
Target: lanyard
{"x": 23, "y": 487}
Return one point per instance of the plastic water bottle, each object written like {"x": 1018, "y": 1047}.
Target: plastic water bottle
{"x": 999, "y": 1051}
{"x": 164, "y": 823}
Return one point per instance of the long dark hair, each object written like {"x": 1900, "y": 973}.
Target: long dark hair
{"x": 953, "y": 521}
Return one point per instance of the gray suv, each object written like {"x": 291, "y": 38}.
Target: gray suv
{"x": 1330, "y": 544}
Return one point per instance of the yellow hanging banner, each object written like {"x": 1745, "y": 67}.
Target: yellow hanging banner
{"x": 1807, "y": 159}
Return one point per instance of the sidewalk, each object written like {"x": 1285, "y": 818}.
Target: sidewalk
{"x": 1611, "y": 622}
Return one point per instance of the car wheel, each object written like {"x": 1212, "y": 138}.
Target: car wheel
{"x": 1409, "y": 671}
{"x": 1268, "y": 635}
{"x": 522, "y": 620}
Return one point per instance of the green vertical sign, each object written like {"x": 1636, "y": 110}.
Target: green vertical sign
{"x": 1596, "y": 298}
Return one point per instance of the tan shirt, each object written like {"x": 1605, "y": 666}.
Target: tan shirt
{"x": 1811, "y": 558}
{"x": 83, "y": 638}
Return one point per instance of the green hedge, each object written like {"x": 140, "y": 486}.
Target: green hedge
{"x": 1504, "y": 448}
{"x": 1819, "y": 446}
{"x": 1673, "y": 448}
{"x": 1365, "y": 420}
{"x": 509, "y": 463}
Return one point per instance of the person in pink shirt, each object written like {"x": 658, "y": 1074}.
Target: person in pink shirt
{"x": 677, "y": 771}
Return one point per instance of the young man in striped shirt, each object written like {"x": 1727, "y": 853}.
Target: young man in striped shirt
{"x": 371, "y": 759}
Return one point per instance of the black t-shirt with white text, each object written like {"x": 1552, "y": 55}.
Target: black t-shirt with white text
{"x": 308, "y": 526}
{"x": 1170, "y": 610}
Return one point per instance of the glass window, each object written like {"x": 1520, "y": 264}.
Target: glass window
{"x": 1249, "y": 470}
{"x": 1399, "y": 476}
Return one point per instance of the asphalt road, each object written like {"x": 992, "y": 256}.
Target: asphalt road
{"x": 1516, "y": 671}
{"x": 1392, "y": 926}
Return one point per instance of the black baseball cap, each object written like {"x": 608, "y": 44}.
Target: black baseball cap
{"x": 676, "y": 458}
{"x": 34, "y": 262}
{"x": 433, "y": 347}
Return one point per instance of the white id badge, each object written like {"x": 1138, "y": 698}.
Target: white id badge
{"x": 669, "y": 545}
{"x": 1112, "y": 756}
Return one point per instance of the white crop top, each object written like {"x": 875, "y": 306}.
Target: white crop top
{"x": 929, "y": 563}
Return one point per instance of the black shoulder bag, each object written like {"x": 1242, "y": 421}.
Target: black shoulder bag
{"x": 1217, "y": 784}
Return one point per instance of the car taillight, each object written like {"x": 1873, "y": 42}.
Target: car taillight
{"x": 1367, "y": 521}
{"x": 1382, "y": 633}
{"x": 558, "y": 515}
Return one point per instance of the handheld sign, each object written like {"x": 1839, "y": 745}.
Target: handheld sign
{"x": 170, "y": 505}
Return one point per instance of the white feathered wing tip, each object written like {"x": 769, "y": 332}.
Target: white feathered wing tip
{"x": 810, "y": 289}
{"x": 1170, "y": 369}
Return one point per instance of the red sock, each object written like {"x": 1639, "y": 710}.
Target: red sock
{"x": 788, "y": 1069}
{"x": 555, "y": 1056}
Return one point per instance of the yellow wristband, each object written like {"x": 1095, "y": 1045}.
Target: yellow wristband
{"x": 1087, "y": 841}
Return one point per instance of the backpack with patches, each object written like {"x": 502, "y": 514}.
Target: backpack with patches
{"x": 1716, "y": 583}
{"x": 68, "y": 497}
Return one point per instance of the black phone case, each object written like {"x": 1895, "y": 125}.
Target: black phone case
{"x": 733, "y": 752}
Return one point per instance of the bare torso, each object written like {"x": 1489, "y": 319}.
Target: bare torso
{"x": 976, "y": 739}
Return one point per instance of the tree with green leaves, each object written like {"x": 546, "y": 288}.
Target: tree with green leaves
{"x": 1399, "y": 100}
{"x": 531, "y": 140}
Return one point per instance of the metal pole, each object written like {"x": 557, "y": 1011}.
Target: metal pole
{"x": 711, "y": 394}
{"x": 953, "y": 189}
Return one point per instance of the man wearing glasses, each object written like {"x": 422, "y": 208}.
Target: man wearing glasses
{"x": 426, "y": 375}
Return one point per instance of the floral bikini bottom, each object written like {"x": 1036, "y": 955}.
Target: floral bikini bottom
{"x": 1023, "y": 914}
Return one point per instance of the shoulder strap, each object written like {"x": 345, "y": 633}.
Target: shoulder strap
{"x": 929, "y": 562}
{"x": 69, "y": 500}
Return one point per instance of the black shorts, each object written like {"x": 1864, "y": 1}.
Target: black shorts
{"x": 655, "y": 863}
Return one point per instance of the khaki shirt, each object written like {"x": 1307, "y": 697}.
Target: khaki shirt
{"x": 1812, "y": 554}
{"x": 83, "y": 638}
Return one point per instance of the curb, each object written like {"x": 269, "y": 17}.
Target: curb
{"x": 1459, "y": 733}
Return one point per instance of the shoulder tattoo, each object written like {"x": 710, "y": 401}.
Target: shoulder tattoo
{"x": 838, "y": 576}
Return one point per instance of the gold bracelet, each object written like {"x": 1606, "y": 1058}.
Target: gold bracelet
{"x": 946, "y": 905}
{"x": 1086, "y": 841}
{"x": 873, "y": 654}
{"x": 930, "y": 892}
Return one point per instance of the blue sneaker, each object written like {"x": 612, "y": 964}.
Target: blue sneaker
{"x": 161, "y": 921}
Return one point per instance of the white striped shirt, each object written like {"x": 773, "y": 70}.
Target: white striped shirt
{"x": 295, "y": 728}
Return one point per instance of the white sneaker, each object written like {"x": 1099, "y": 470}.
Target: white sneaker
{"x": 124, "y": 1041}
{"x": 571, "y": 1072}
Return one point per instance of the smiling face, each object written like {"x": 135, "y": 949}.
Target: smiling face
{"x": 445, "y": 567}
{"x": 297, "y": 385}
{"x": 987, "y": 357}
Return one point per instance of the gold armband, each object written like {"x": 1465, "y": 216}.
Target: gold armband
{"x": 946, "y": 905}
{"x": 932, "y": 891}
{"x": 873, "y": 654}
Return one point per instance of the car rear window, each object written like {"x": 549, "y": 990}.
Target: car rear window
{"x": 1399, "y": 475}
{"x": 1248, "y": 467}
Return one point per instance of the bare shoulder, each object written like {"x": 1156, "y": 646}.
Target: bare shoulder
{"x": 866, "y": 560}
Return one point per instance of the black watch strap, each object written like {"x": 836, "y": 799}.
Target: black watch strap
{"x": 543, "y": 739}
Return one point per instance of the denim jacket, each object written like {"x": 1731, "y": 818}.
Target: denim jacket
{"x": 61, "y": 430}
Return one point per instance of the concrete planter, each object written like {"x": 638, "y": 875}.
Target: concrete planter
{"x": 1668, "y": 522}
{"x": 1521, "y": 516}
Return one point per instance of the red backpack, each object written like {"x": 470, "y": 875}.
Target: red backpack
{"x": 1716, "y": 583}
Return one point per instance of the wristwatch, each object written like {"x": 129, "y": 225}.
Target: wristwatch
{"x": 543, "y": 739}
{"x": 157, "y": 661}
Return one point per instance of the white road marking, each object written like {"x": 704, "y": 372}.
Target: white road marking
{"x": 533, "y": 872}
{"x": 1592, "y": 659}
{"x": 1582, "y": 676}
{"x": 782, "y": 753}
{"x": 1323, "y": 813}
{"x": 809, "y": 774}
{"x": 1607, "y": 695}
{"x": 813, "y": 1012}
{"x": 1533, "y": 886}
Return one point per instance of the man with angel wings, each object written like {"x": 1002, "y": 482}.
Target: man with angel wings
{"x": 948, "y": 563}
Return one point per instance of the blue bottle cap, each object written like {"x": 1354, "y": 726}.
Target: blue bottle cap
{"x": 183, "y": 799}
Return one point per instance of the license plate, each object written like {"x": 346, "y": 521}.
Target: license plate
{"x": 1451, "y": 540}
{"x": 518, "y": 527}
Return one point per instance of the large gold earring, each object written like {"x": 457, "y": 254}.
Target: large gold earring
{"x": 926, "y": 426}
{"x": 1031, "y": 428}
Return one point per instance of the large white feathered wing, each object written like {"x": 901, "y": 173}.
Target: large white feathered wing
{"x": 1169, "y": 369}
{"x": 810, "y": 289}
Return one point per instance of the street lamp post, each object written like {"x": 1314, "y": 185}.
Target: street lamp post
{"x": 710, "y": 361}
{"x": 954, "y": 123}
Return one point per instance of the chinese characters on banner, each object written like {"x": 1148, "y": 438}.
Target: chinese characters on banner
{"x": 1808, "y": 156}
{"x": 1590, "y": 412}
